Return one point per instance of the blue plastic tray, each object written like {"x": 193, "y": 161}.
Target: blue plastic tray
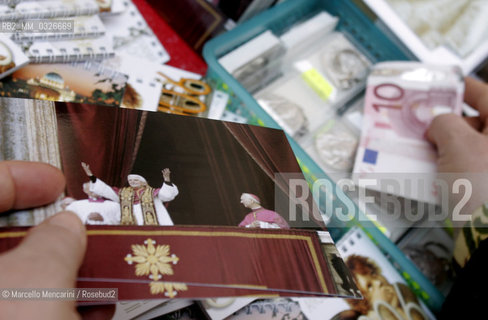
{"x": 377, "y": 46}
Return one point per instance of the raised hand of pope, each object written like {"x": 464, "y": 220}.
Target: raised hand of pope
{"x": 166, "y": 174}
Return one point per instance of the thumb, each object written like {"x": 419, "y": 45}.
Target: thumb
{"x": 448, "y": 129}
{"x": 59, "y": 243}
{"x": 48, "y": 257}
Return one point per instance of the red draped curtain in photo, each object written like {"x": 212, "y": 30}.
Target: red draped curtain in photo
{"x": 272, "y": 152}
{"x": 109, "y": 149}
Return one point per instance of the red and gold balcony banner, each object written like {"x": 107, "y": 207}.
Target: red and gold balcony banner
{"x": 197, "y": 262}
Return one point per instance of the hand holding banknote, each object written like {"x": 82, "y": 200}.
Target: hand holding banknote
{"x": 402, "y": 98}
{"x": 462, "y": 143}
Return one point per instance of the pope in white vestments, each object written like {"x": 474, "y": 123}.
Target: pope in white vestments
{"x": 140, "y": 204}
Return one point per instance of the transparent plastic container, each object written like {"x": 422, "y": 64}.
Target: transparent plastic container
{"x": 378, "y": 46}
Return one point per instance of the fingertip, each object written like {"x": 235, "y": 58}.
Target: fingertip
{"x": 476, "y": 95}
{"x": 50, "y": 254}
{"x": 7, "y": 185}
{"x": 436, "y": 125}
{"x": 35, "y": 183}
{"x": 63, "y": 231}
{"x": 449, "y": 129}
{"x": 69, "y": 221}
{"x": 59, "y": 242}
{"x": 470, "y": 81}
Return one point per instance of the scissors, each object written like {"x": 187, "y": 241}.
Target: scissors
{"x": 186, "y": 102}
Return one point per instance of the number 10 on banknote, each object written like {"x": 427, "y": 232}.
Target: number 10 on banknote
{"x": 402, "y": 98}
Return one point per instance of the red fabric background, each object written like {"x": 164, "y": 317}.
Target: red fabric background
{"x": 182, "y": 56}
{"x": 282, "y": 265}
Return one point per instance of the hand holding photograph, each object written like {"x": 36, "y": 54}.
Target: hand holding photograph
{"x": 175, "y": 206}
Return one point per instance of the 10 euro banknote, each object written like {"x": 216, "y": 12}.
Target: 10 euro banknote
{"x": 402, "y": 98}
